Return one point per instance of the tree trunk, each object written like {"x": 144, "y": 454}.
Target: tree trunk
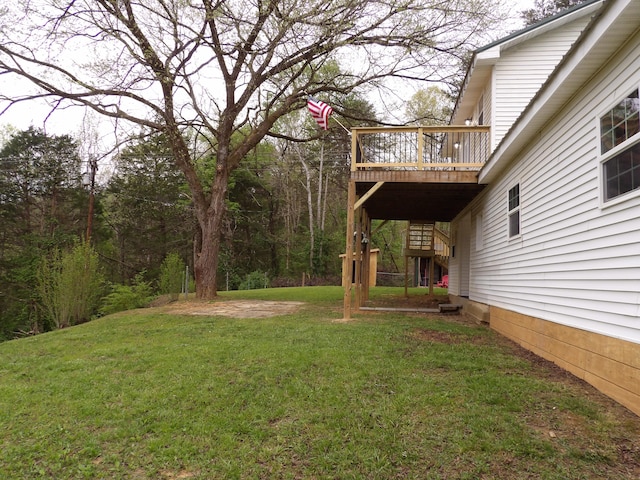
{"x": 206, "y": 262}
{"x": 207, "y": 255}
{"x": 307, "y": 186}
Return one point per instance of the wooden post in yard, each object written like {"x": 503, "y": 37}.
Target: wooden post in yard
{"x": 358, "y": 253}
{"x": 432, "y": 272}
{"x": 347, "y": 272}
{"x": 366, "y": 276}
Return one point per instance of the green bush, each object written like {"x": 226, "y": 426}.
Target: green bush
{"x": 127, "y": 297}
{"x": 172, "y": 274}
{"x": 69, "y": 285}
{"x": 255, "y": 280}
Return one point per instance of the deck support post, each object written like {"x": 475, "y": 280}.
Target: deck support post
{"x": 366, "y": 246}
{"x": 406, "y": 276}
{"x": 432, "y": 272}
{"x": 358, "y": 253}
{"x": 347, "y": 273}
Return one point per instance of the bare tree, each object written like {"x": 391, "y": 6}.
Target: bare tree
{"x": 430, "y": 106}
{"x": 224, "y": 69}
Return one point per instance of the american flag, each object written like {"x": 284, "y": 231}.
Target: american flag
{"x": 320, "y": 111}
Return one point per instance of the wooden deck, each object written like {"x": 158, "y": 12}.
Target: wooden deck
{"x": 418, "y": 173}
{"x": 407, "y": 173}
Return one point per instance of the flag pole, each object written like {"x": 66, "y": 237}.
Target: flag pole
{"x": 322, "y": 113}
{"x": 340, "y": 123}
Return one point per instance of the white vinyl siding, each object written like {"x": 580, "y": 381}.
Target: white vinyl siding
{"x": 576, "y": 262}
{"x": 459, "y": 264}
{"x": 522, "y": 70}
{"x": 479, "y": 238}
{"x": 488, "y": 105}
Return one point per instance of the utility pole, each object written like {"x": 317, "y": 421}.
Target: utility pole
{"x": 89, "y": 180}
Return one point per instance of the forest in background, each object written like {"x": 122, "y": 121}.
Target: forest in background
{"x": 284, "y": 220}
{"x": 284, "y": 223}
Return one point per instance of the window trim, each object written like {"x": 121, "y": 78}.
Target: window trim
{"x": 515, "y": 210}
{"x": 604, "y": 113}
{"x": 612, "y": 153}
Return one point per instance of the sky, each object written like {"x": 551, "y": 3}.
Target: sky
{"x": 71, "y": 121}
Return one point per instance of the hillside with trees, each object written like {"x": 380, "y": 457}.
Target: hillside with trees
{"x": 219, "y": 176}
{"x": 215, "y": 78}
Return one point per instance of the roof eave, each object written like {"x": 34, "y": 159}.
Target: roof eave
{"x": 486, "y": 57}
{"x": 600, "y": 40}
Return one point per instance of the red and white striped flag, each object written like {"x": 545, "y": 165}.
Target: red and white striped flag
{"x": 320, "y": 111}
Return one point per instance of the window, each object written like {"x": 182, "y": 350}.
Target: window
{"x": 621, "y": 172}
{"x": 514, "y": 211}
{"x": 481, "y": 110}
{"x": 620, "y": 123}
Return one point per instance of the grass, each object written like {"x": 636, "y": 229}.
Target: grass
{"x": 147, "y": 395}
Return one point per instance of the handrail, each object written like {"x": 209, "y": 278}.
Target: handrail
{"x": 441, "y": 242}
{"x": 450, "y": 147}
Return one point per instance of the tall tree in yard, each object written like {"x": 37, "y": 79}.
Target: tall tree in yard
{"x": 227, "y": 69}
{"x": 430, "y": 106}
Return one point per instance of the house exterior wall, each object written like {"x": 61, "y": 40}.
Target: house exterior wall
{"x": 459, "y": 265}
{"x": 523, "y": 69}
{"x": 567, "y": 287}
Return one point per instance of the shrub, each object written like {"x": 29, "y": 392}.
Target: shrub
{"x": 69, "y": 285}
{"x": 127, "y": 297}
{"x": 172, "y": 274}
{"x": 255, "y": 280}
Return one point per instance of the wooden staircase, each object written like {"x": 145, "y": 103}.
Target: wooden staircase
{"x": 424, "y": 240}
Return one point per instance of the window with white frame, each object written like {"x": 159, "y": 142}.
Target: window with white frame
{"x": 514, "y": 211}
{"x": 619, "y": 129}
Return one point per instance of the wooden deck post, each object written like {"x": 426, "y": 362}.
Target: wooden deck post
{"x": 406, "y": 263}
{"x": 406, "y": 276}
{"x": 347, "y": 273}
{"x": 366, "y": 270}
{"x": 432, "y": 272}
{"x": 358, "y": 252}
{"x": 420, "y": 149}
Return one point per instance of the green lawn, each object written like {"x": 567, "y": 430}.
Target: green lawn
{"x": 147, "y": 395}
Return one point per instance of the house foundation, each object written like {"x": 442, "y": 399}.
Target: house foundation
{"x": 609, "y": 364}
{"x": 479, "y": 311}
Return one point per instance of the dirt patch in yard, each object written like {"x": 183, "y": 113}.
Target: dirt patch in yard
{"x": 413, "y": 301}
{"x": 234, "y": 308}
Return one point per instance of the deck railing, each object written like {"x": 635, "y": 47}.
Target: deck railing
{"x": 425, "y": 237}
{"x": 420, "y": 148}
